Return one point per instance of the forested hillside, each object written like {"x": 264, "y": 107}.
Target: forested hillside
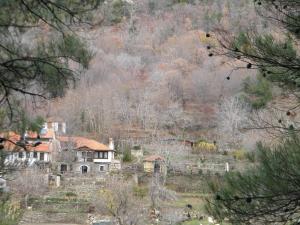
{"x": 152, "y": 73}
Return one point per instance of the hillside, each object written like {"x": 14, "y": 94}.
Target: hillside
{"x": 151, "y": 72}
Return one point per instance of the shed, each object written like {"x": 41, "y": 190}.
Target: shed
{"x": 154, "y": 164}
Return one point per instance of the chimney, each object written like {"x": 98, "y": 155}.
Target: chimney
{"x": 111, "y": 144}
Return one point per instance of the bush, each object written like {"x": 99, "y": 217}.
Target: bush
{"x": 71, "y": 195}
{"x": 204, "y": 146}
{"x": 239, "y": 154}
{"x": 127, "y": 157}
{"x": 257, "y": 93}
{"x": 140, "y": 192}
{"x": 119, "y": 10}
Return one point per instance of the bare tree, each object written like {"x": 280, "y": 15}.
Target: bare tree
{"x": 119, "y": 201}
{"x": 232, "y": 117}
{"x": 158, "y": 192}
{"x": 30, "y": 182}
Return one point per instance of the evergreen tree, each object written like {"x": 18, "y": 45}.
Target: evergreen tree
{"x": 37, "y": 46}
{"x": 268, "y": 193}
{"x": 277, "y": 59}
{"x": 257, "y": 92}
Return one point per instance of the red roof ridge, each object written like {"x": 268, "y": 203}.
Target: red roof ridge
{"x": 152, "y": 158}
{"x": 83, "y": 142}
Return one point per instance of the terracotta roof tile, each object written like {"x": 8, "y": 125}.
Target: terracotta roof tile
{"x": 153, "y": 158}
{"x": 81, "y": 142}
{"x": 44, "y": 147}
{"x": 14, "y": 137}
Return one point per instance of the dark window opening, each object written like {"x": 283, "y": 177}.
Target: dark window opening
{"x": 63, "y": 168}
{"x": 35, "y": 155}
{"x": 42, "y": 156}
{"x": 101, "y": 155}
{"x": 84, "y": 169}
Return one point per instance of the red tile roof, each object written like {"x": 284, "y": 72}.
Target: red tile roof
{"x": 81, "y": 142}
{"x": 44, "y": 147}
{"x": 153, "y": 158}
{"x": 14, "y": 137}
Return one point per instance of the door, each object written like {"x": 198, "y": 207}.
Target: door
{"x": 156, "y": 167}
{"x": 63, "y": 168}
{"x": 84, "y": 169}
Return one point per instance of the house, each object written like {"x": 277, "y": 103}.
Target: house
{"x": 32, "y": 150}
{"x": 57, "y": 124}
{"x": 68, "y": 153}
{"x": 155, "y": 164}
{"x": 90, "y": 156}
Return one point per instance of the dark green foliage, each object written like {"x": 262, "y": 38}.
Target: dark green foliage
{"x": 277, "y": 58}
{"x": 127, "y": 157}
{"x": 8, "y": 215}
{"x": 118, "y": 11}
{"x": 267, "y": 193}
{"x": 257, "y": 92}
{"x": 27, "y": 123}
{"x": 37, "y": 45}
{"x": 140, "y": 192}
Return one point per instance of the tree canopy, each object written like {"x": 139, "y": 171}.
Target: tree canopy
{"x": 267, "y": 193}
{"x": 40, "y": 53}
{"x": 275, "y": 56}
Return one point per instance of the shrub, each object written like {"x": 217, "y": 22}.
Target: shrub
{"x": 257, "y": 93}
{"x": 239, "y": 154}
{"x": 140, "y": 192}
{"x": 71, "y": 195}
{"x": 119, "y": 10}
{"x": 204, "y": 146}
{"x": 127, "y": 157}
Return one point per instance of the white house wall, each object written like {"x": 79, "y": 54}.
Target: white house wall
{"x": 11, "y": 157}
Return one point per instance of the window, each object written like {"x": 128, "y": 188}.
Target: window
{"x": 20, "y": 155}
{"x": 105, "y": 155}
{"x": 42, "y": 156}
{"x": 63, "y": 168}
{"x": 27, "y": 155}
{"x": 102, "y": 155}
{"x": 101, "y": 168}
{"x": 83, "y": 154}
{"x": 35, "y": 155}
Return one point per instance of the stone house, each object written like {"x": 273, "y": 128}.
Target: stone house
{"x": 68, "y": 153}
{"x": 155, "y": 164}
{"x": 90, "y": 156}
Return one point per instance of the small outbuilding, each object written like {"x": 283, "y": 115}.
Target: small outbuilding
{"x": 155, "y": 164}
